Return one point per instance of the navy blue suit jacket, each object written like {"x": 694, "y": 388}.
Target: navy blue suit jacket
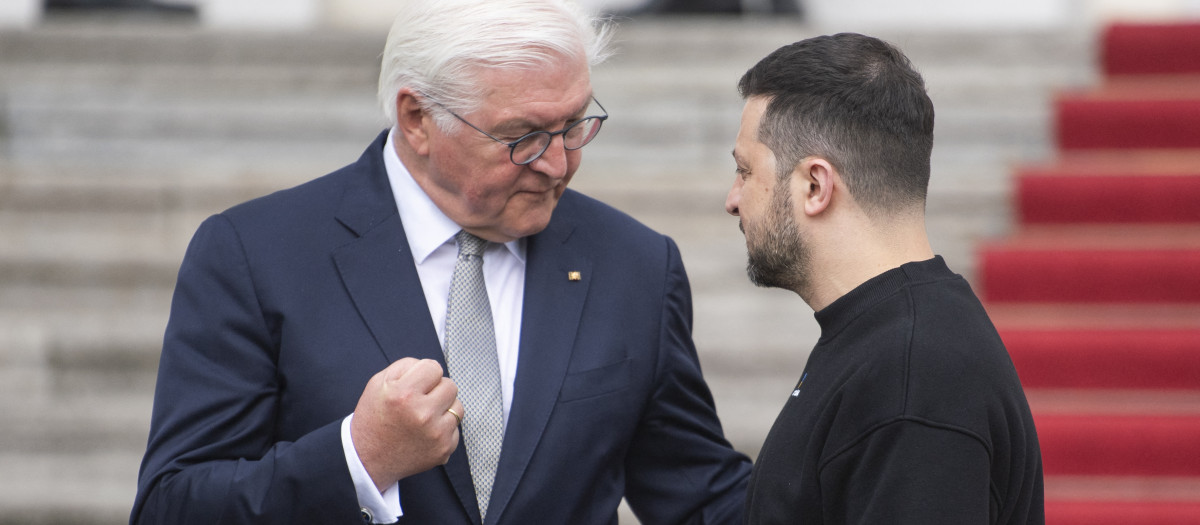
{"x": 286, "y": 305}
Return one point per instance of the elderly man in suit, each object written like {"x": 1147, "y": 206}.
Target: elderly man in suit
{"x": 304, "y": 369}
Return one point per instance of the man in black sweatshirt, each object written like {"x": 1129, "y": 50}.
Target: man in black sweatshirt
{"x": 909, "y": 409}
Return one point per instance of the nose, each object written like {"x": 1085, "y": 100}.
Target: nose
{"x": 553, "y": 162}
{"x": 734, "y": 198}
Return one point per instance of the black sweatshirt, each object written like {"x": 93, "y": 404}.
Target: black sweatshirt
{"x": 908, "y": 411}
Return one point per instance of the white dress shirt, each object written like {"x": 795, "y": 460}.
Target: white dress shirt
{"x": 431, "y": 239}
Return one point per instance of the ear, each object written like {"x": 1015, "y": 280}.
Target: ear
{"x": 412, "y": 121}
{"x": 814, "y": 182}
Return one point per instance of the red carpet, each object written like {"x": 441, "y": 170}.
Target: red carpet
{"x": 1131, "y": 114}
{"x": 1132, "y": 445}
{"x": 1091, "y": 264}
{"x": 1139, "y": 358}
{"x": 1149, "y": 49}
{"x": 1094, "y": 187}
{"x": 1097, "y": 293}
{"x": 1122, "y": 512}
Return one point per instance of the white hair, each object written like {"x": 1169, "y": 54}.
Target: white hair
{"x": 437, "y": 47}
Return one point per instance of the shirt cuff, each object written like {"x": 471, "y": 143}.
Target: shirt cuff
{"x": 373, "y": 503}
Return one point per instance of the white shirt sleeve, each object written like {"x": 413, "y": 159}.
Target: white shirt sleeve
{"x": 381, "y": 506}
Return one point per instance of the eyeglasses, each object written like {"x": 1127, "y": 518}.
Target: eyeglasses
{"x": 530, "y": 146}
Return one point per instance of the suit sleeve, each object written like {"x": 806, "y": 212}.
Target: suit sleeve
{"x": 909, "y": 471}
{"x": 681, "y": 469}
{"x": 213, "y": 456}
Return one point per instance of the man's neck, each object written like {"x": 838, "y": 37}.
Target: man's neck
{"x": 839, "y": 266}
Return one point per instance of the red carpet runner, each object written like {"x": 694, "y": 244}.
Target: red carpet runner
{"x": 1097, "y": 294}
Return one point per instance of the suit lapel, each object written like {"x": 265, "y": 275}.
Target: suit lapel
{"x": 377, "y": 268}
{"x": 379, "y": 274}
{"x": 550, "y": 318}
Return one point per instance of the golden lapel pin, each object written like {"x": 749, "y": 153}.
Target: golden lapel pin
{"x": 574, "y": 276}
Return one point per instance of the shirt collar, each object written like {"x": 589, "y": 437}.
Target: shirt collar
{"x": 416, "y": 208}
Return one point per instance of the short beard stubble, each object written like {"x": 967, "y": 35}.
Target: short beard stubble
{"x": 780, "y": 259}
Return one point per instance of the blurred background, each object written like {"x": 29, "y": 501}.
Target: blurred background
{"x": 124, "y": 123}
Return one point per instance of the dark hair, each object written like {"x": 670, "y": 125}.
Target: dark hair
{"x": 855, "y": 101}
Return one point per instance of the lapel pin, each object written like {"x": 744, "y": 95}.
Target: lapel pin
{"x": 574, "y": 276}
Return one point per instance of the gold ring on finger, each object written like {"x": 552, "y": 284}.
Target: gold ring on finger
{"x": 455, "y": 414}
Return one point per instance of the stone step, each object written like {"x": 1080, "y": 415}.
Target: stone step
{"x": 96, "y": 488}
{"x": 82, "y": 41}
{"x": 117, "y": 342}
{"x": 196, "y": 93}
{"x": 60, "y": 114}
{"x": 673, "y": 40}
{"x": 75, "y": 417}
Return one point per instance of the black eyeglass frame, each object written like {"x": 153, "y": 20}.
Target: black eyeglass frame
{"x": 512, "y": 146}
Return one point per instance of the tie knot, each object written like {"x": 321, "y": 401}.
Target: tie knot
{"x": 469, "y": 244}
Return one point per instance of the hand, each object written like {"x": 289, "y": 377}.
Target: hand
{"x": 401, "y": 425}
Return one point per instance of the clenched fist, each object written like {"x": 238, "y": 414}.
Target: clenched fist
{"x": 401, "y": 425}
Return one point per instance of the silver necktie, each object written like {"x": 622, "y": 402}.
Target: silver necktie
{"x": 473, "y": 365}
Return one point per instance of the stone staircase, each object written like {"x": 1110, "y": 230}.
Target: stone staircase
{"x": 117, "y": 138}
